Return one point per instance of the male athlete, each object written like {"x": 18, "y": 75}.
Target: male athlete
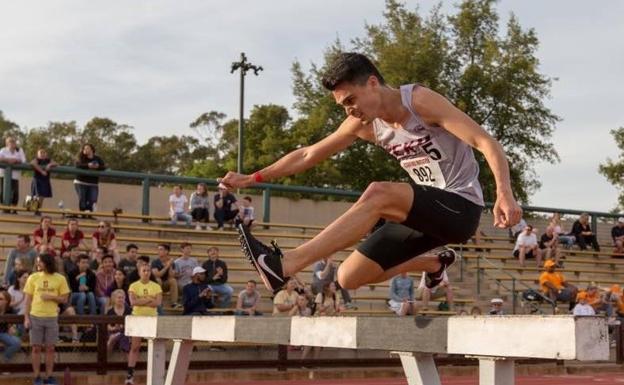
{"x": 442, "y": 204}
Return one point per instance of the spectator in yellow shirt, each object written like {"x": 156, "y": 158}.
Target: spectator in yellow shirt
{"x": 554, "y": 285}
{"x": 45, "y": 290}
{"x": 145, "y": 297}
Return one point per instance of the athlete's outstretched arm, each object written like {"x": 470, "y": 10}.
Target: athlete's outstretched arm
{"x": 302, "y": 158}
{"x": 436, "y": 109}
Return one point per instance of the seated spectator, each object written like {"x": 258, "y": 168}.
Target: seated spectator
{"x": 14, "y": 155}
{"x": 184, "y": 266}
{"x": 197, "y": 294}
{"x": 216, "y": 277}
{"x": 225, "y": 207}
{"x": 248, "y": 300}
{"x": 582, "y": 307}
{"x": 99, "y": 253}
{"x": 40, "y": 186}
{"x": 72, "y": 236}
{"x": 164, "y": 271}
{"x": 527, "y": 247}
{"x": 104, "y": 277}
{"x": 565, "y": 238}
{"x": 43, "y": 236}
{"x": 70, "y": 263}
{"x": 496, "y": 306}
{"x": 24, "y": 252}
{"x": 476, "y": 310}
{"x": 329, "y": 302}
{"x": 116, "y": 336}
{"x": 16, "y": 291}
{"x": 301, "y": 307}
{"x": 145, "y": 298}
{"x": 129, "y": 263}
{"x": 549, "y": 245}
{"x": 402, "y": 295}
{"x": 8, "y": 333}
{"x": 554, "y": 285}
{"x": 516, "y": 229}
{"x": 104, "y": 237}
{"x": 324, "y": 272}
{"x": 82, "y": 283}
{"x": 143, "y": 260}
{"x": 443, "y": 290}
{"x": 285, "y": 299}
{"x": 246, "y": 215}
{"x": 18, "y": 267}
{"x": 617, "y": 234}
{"x": 178, "y": 203}
{"x": 597, "y": 301}
{"x": 584, "y": 234}
{"x": 119, "y": 283}
{"x": 199, "y": 206}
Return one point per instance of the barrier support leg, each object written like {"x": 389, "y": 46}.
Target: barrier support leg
{"x": 179, "y": 362}
{"x": 419, "y": 368}
{"x": 496, "y": 371}
{"x": 156, "y": 355}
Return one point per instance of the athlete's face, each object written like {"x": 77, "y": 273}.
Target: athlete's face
{"x": 360, "y": 101}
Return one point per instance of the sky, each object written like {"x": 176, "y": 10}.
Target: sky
{"x": 157, "y": 65}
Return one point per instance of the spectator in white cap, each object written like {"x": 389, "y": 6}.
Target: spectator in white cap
{"x": 617, "y": 233}
{"x": 496, "y": 306}
{"x": 197, "y": 294}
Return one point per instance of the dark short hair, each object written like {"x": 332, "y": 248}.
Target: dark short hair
{"x": 247, "y": 198}
{"x": 350, "y": 67}
{"x": 25, "y": 237}
{"x": 212, "y": 248}
{"x": 252, "y": 281}
{"x": 106, "y": 256}
{"x": 49, "y": 264}
{"x": 131, "y": 246}
{"x": 184, "y": 244}
{"x": 144, "y": 258}
{"x": 84, "y": 256}
{"x": 166, "y": 246}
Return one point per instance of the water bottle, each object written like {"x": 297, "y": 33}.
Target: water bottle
{"x": 61, "y": 205}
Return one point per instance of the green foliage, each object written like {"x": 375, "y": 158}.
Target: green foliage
{"x": 613, "y": 170}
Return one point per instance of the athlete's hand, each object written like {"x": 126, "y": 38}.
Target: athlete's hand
{"x": 507, "y": 212}
{"x": 236, "y": 180}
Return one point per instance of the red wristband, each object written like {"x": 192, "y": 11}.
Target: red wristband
{"x": 258, "y": 177}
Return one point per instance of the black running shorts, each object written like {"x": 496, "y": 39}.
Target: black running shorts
{"x": 437, "y": 217}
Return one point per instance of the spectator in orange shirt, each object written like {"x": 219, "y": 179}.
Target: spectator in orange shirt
{"x": 554, "y": 285}
{"x": 597, "y": 301}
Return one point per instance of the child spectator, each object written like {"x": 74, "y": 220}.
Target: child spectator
{"x": 476, "y": 310}
{"x": 584, "y": 234}
{"x": 402, "y": 295}
{"x": 8, "y": 333}
{"x": 104, "y": 237}
{"x": 119, "y": 283}
{"x": 301, "y": 307}
{"x": 43, "y": 236}
{"x": 554, "y": 285}
{"x": 178, "y": 203}
{"x": 164, "y": 271}
{"x": 184, "y": 266}
{"x": 225, "y": 208}
{"x": 14, "y": 155}
{"x": 24, "y": 252}
{"x": 329, "y": 301}
{"x": 199, "y": 206}
{"x": 87, "y": 186}
{"x": 247, "y": 212}
{"x": 104, "y": 277}
{"x": 617, "y": 234}
{"x": 443, "y": 290}
{"x": 197, "y": 294}
{"x": 72, "y": 236}
{"x": 217, "y": 276}
{"x": 582, "y": 307}
{"x": 527, "y": 247}
{"x": 129, "y": 263}
{"x": 248, "y": 300}
{"x": 145, "y": 298}
{"x": 285, "y": 299}
{"x": 18, "y": 299}
{"x": 40, "y": 186}
{"x": 82, "y": 283}
{"x": 45, "y": 291}
{"x": 116, "y": 336}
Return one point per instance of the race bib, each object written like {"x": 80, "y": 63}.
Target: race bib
{"x": 425, "y": 171}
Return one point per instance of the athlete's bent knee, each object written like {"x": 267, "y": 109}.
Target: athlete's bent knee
{"x": 345, "y": 280}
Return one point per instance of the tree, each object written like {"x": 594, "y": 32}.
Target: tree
{"x": 613, "y": 170}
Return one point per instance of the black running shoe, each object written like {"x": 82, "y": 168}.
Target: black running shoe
{"x": 447, "y": 258}
{"x": 266, "y": 260}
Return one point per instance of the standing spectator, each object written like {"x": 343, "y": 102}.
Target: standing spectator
{"x": 584, "y": 234}
{"x": 527, "y": 247}
{"x": 402, "y": 295}
{"x": 104, "y": 237}
{"x": 178, "y": 203}
{"x": 45, "y": 291}
{"x": 566, "y": 239}
{"x": 87, "y": 186}
{"x": 164, "y": 271}
{"x": 18, "y": 298}
{"x": 184, "y": 266}
{"x": 617, "y": 234}
{"x": 116, "y": 336}
{"x": 496, "y": 306}
{"x": 197, "y": 294}
{"x": 43, "y": 236}
{"x": 22, "y": 251}
{"x": 324, "y": 272}
{"x": 554, "y": 285}
{"x": 40, "y": 186}
{"x": 8, "y": 333}
{"x": 225, "y": 208}
{"x": 142, "y": 260}
{"x": 119, "y": 283}
{"x": 217, "y": 276}
{"x": 582, "y": 307}
{"x": 129, "y": 263}
{"x": 13, "y": 155}
{"x": 199, "y": 206}
{"x": 72, "y": 236}
{"x": 248, "y": 300}
{"x": 145, "y": 298}
{"x": 549, "y": 245}
{"x": 329, "y": 302}
{"x": 104, "y": 277}
{"x": 247, "y": 213}
{"x": 443, "y": 290}
{"x": 82, "y": 283}
{"x": 286, "y": 299}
